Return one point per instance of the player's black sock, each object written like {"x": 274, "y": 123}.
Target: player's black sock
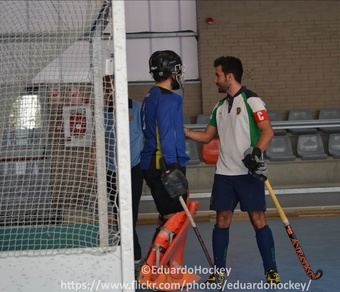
{"x": 265, "y": 243}
{"x": 220, "y": 241}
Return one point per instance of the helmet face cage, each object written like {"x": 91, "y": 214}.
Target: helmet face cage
{"x": 164, "y": 64}
{"x": 178, "y": 72}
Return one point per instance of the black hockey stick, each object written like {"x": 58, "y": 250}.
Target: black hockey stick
{"x": 194, "y": 227}
{"x": 293, "y": 239}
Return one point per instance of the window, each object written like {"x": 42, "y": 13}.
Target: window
{"x": 160, "y": 25}
{"x": 24, "y": 121}
{"x": 25, "y": 113}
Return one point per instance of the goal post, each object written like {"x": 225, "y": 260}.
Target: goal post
{"x": 64, "y": 148}
{"x": 123, "y": 144}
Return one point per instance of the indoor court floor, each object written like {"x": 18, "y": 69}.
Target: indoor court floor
{"x": 319, "y": 237}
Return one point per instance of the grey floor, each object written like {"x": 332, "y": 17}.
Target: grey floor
{"x": 319, "y": 237}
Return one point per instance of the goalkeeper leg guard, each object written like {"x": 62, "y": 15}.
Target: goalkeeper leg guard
{"x": 171, "y": 238}
{"x": 164, "y": 237}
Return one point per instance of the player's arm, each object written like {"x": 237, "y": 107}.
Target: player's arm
{"x": 166, "y": 124}
{"x": 261, "y": 118}
{"x": 201, "y": 136}
{"x": 265, "y": 136}
{"x": 253, "y": 157}
{"x": 210, "y": 131}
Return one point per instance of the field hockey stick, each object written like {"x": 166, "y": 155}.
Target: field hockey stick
{"x": 194, "y": 227}
{"x": 176, "y": 184}
{"x": 293, "y": 239}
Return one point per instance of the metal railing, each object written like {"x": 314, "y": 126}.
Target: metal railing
{"x": 299, "y": 124}
{"x": 278, "y": 125}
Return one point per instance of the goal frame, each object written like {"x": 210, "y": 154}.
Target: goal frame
{"x": 102, "y": 263}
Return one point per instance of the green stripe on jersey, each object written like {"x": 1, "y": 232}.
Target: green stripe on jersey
{"x": 213, "y": 118}
{"x": 253, "y": 128}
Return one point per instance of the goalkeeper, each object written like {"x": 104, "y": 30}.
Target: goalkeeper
{"x": 242, "y": 123}
{"x": 162, "y": 122}
{"x": 164, "y": 149}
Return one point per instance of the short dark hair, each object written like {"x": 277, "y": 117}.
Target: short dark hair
{"x": 230, "y": 65}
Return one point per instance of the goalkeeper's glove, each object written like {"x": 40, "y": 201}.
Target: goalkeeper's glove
{"x": 174, "y": 181}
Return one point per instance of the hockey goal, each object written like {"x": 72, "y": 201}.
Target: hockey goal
{"x": 54, "y": 193}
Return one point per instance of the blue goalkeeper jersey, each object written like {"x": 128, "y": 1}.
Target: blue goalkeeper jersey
{"x": 162, "y": 121}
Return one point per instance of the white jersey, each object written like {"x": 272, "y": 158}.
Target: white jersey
{"x": 236, "y": 120}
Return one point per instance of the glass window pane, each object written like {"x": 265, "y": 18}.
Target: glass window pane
{"x": 25, "y": 113}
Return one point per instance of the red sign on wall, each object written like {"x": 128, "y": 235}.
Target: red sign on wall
{"x": 77, "y": 125}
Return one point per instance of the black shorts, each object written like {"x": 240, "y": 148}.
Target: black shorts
{"x": 164, "y": 204}
{"x": 230, "y": 190}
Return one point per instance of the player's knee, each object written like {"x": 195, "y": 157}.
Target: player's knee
{"x": 223, "y": 219}
{"x": 258, "y": 219}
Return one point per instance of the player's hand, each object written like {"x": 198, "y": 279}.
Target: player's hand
{"x": 173, "y": 166}
{"x": 254, "y": 161}
{"x": 175, "y": 182}
{"x": 187, "y": 132}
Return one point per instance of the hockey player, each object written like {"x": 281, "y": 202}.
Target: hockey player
{"x": 164, "y": 149}
{"x": 162, "y": 122}
{"x": 244, "y": 129}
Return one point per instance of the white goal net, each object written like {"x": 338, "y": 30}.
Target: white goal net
{"x": 57, "y": 127}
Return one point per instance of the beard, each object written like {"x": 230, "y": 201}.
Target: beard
{"x": 174, "y": 84}
{"x": 221, "y": 90}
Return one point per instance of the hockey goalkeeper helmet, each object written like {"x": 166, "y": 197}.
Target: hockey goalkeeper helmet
{"x": 165, "y": 64}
